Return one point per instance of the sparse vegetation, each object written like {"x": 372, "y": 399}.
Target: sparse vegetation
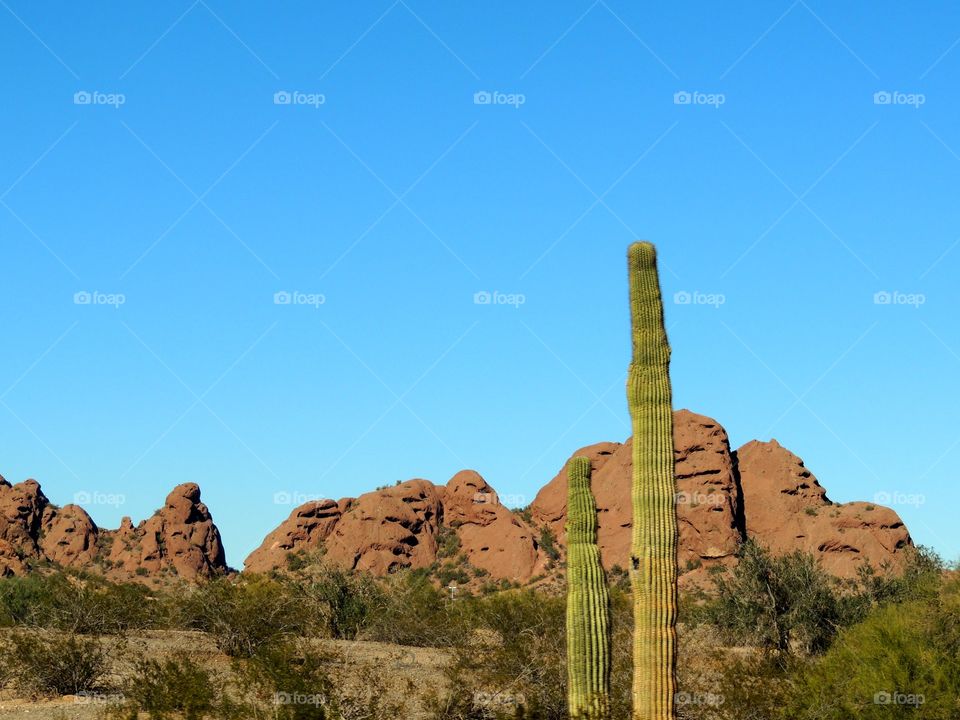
{"x": 779, "y": 639}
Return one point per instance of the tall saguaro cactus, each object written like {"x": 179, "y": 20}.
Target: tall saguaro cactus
{"x": 588, "y": 603}
{"x": 653, "y": 552}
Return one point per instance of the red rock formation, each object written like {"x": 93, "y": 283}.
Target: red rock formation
{"x": 707, "y": 503}
{"x": 306, "y": 529}
{"x": 180, "y": 539}
{"x": 787, "y": 509}
{"x": 388, "y": 529}
{"x": 491, "y": 536}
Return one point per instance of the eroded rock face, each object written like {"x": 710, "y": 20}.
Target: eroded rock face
{"x": 180, "y": 539}
{"x": 787, "y": 509}
{"x": 708, "y": 509}
{"x": 69, "y": 536}
{"x": 306, "y": 529}
{"x": 388, "y": 529}
{"x": 491, "y": 535}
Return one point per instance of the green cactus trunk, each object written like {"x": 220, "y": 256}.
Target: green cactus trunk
{"x": 653, "y": 553}
{"x": 588, "y": 603}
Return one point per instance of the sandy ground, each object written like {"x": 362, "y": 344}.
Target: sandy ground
{"x": 399, "y": 667}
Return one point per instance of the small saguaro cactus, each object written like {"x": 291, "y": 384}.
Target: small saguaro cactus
{"x": 653, "y": 552}
{"x": 588, "y": 603}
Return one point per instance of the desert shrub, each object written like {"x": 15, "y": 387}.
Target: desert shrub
{"x": 291, "y": 678}
{"x": 414, "y": 612}
{"x": 920, "y": 580}
{"x": 39, "y": 663}
{"x": 783, "y": 603}
{"x": 174, "y": 687}
{"x": 903, "y": 660}
{"x": 245, "y": 615}
{"x": 510, "y": 658}
{"x": 296, "y": 681}
{"x": 75, "y": 603}
{"x": 343, "y": 603}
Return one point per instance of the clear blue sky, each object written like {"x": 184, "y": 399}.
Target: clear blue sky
{"x": 783, "y": 189}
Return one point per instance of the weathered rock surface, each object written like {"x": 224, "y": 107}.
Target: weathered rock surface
{"x": 707, "y": 498}
{"x": 763, "y": 492}
{"x": 180, "y": 539}
{"x": 787, "y": 509}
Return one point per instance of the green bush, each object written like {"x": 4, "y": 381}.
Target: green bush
{"x": 247, "y": 614}
{"x": 343, "y": 603}
{"x": 903, "y": 660}
{"x": 174, "y": 687}
{"x": 783, "y": 603}
{"x": 75, "y": 602}
{"x": 38, "y": 662}
{"x": 414, "y": 612}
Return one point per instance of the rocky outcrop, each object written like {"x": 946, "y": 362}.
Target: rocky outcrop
{"x": 762, "y": 492}
{"x": 400, "y": 527}
{"x": 708, "y": 509}
{"x": 787, "y": 509}
{"x": 388, "y": 529}
{"x": 305, "y": 530}
{"x": 491, "y": 536}
{"x": 179, "y": 540}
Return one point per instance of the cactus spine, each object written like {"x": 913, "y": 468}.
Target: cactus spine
{"x": 653, "y": 553}
{"x": 588, "y": 640}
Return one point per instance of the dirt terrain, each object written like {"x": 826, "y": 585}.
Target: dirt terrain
{"x": 397, "y": 665}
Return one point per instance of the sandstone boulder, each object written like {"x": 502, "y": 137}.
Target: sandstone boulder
{"x": 787, "y": 509}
